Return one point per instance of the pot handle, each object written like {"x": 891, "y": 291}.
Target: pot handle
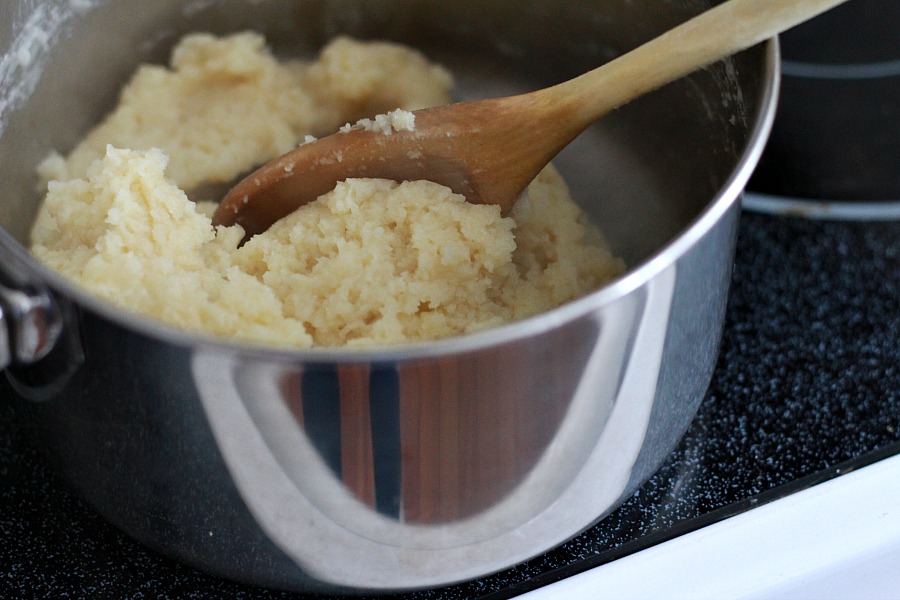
{"x": 40, "y": 341}
{"x": 30, "y": 325}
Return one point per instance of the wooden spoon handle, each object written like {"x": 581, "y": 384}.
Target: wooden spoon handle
{"x": 724, "y": 30}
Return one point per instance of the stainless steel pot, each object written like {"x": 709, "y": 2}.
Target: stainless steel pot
{"x": 406, "y": 467}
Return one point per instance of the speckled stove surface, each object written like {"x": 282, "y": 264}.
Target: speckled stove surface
{"x": 807, "y": 387}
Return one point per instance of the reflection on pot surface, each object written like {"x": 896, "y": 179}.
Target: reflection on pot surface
{"x": 406, "y": 474}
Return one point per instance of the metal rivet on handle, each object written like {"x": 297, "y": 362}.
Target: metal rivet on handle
{"x": 31, "y": 324}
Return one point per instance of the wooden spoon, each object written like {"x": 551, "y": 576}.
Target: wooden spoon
{"x": 490, "y": 150}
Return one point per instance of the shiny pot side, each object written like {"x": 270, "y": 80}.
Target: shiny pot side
{"x": 416, "y": 466}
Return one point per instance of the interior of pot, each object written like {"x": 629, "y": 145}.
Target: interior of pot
{"x": 643, "y": 173}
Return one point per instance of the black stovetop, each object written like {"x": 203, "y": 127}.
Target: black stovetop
{"x": 807, "y": 387}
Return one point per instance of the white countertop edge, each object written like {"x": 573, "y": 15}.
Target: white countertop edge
{"x": 836, "y": 540}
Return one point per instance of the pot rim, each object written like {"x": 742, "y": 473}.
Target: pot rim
{"x": 635, "y": 277}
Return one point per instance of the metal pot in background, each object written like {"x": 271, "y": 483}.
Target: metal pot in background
{"x": 837, "y": 133}
{"x": 413, "y": 466}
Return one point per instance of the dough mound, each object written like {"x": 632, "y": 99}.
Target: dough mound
{"x": 373, "y": 262}
{"x": 226, "y": 105}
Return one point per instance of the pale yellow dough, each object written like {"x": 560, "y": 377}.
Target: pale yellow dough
{"x": 373, "y": 262}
